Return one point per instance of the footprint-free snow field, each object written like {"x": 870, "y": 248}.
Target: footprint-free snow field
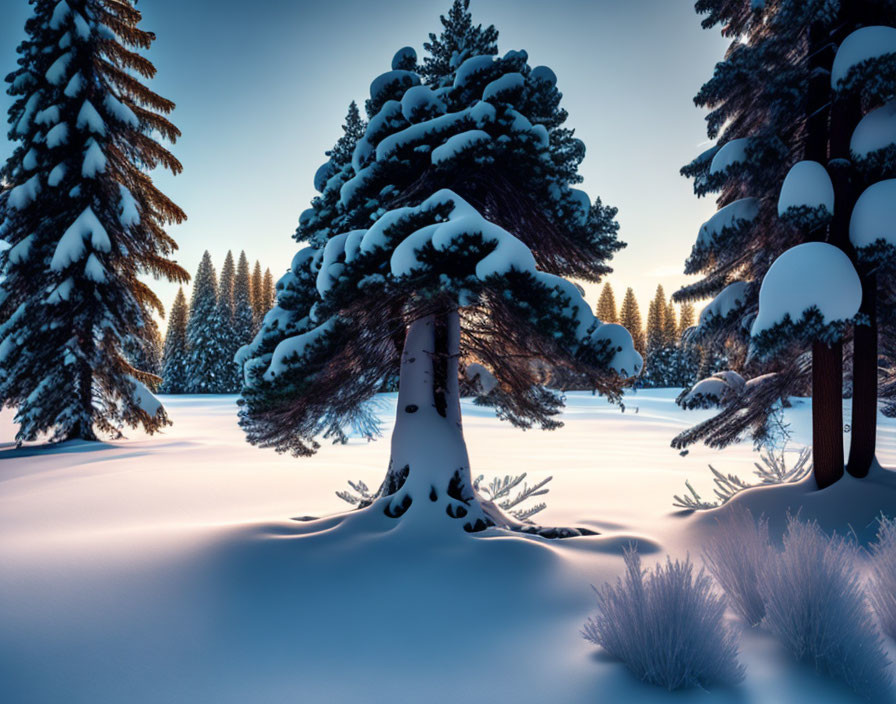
{"x": 171, "y": 569}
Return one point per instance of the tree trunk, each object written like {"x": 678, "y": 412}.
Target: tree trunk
{"x": 83, "y": 429}
{"x": 429, "y": 477}
{"x": 827, "y": 361}
{"x": 827, "y": 413}
{"x": 864, "y": 384}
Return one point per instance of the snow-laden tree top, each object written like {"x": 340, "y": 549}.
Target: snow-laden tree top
{"x": 808, "y": 293}
{"x": 458, "y": 196}
{"x": 807, "y": 195}
{"x": 872, "y": 227}
{"x": 867, "y": 53}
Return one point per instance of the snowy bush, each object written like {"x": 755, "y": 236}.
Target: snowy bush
{"x": 772, "y": 470}
{"x": 497, "y": 491}
{"x": 735, "y": 555}
{"x": 882, "y": 585}
{"x": 815, "y": 605}
{"x": 666, "y": 625}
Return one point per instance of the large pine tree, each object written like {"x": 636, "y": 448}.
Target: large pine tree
{"x": 791, "y": 159}
{"x": 439, "y": 254}
{"x": 84, "y": 220}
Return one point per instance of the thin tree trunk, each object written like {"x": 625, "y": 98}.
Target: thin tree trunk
{"x": 864, "y": 384}
{"x": 827, "y": 361}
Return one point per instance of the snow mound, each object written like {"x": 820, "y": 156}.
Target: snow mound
{"x": 72, "y": 248}
{"x": 874, "y": 215}
{"x": 471, "y": 67}
{"x": 89, "y": 119}
{"x": 876, "y": 131}
{"x": 296, "y": 346}
{"x": 864, "y": 44}
{"x": 730, "y": 217}
{"x": 502, "y": 87}
{"x": 391, "y": 79}
{"x": 731, "y": 153}
{"x": 94, "y": 160}
{"x": 626, "y": 361}
{"x": 728, "y": 300}
{"x": 815, "y": 275}
{"x": 24, "y": 194}
{"x": 404, "y": 57}
{"x": 543, "y": 73}
{"x": 713, "y": 391}
{"x": 458, "y": 144}
{"x": 807, "y": 188}
{"x": 420, "y": 102}
{"x": 57, "y": 136}
{"x": 321, "y": 176}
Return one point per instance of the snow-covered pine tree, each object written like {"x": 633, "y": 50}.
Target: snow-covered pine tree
{"x": 227, "y": 377}
{"x": 243, "y": 316}
{"x": 606, "y": 305}
{"x": 175, "y": 358}
{"x": 686, "y": 320}
{"x": 789, "y": 165}
{"x": 630, "y": 319}
{"x": 656, "y": 318}
{"x": 670, "y": 325}
{"x": 203, "y": 332}
{"x": 352, "y": 130}
{"x": 256, "y": 288}
{"x": 460, "y": 40}
{"x": 84, "y": 220}
{"x": 406, "y": 254}
{"x": 225, "y": 285}
{"x": 269, "y": 295}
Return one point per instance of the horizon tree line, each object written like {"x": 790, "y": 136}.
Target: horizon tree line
{"x": 203, "y": 336}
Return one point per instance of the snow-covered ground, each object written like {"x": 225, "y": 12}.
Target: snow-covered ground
{"x": 168, "y": 569}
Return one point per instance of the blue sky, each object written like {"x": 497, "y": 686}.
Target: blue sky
{"x": 261, "y": 89}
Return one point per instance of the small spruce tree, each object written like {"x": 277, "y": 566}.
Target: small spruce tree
{"x": 256, "y": 295}
{"x": 606, "y": 305}
{"x": 670, "y": 325}
{"x": 630, "y": 319}
{"x": 656, "y": 319}
{"x": 269, "y": 296}
{"x": 203, "y": 331}
{"x": 243, "y": 316}
{"x": 175, "y": 358}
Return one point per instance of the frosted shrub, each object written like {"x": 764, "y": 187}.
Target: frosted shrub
{"x": 815, "y": 605}
{"x": 666, "y": 625}
{"x": 773, "y": 470}
{"x": 882, "y": 586}
{"x": 736, "y": 555}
